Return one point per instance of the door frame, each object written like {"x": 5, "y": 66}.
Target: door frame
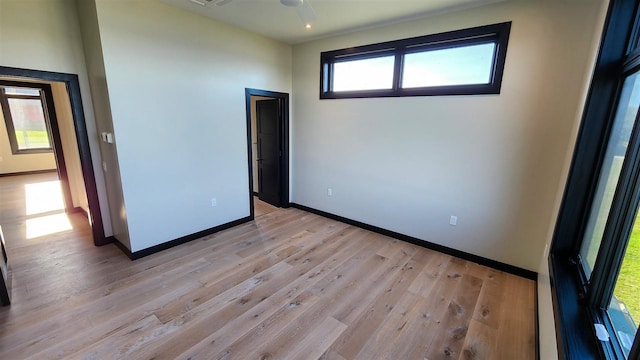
{"x": 77, "y": 111}
{"x": 283, "y": 145}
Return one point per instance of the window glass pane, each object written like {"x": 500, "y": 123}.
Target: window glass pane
{"x": 455, "y": 66}
{"x": 611, "y": 167}
{"x": 624, "y": 309}
{"x": 21, "y": 91}
{"x": 367, "y": 74}
{"x": 29, "y": 124}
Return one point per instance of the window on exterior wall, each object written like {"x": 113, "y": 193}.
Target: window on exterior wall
{"x": 464, "y": 65}
{"x": 595, "y": 255}
{"x": 26, "y": 119}
{"x": 462, "y": 62}
{"x": 365, "y": 74}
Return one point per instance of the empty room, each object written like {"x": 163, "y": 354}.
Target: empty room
{"x": 319, "y": 179}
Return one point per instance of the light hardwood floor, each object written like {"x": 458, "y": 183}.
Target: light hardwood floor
{"x": 289, "y": 285}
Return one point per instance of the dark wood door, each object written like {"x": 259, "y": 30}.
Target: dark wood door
{"x": 269, "y": 152}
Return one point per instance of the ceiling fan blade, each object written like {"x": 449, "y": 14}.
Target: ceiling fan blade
{"x": 306, "y": 12}
{"x": 222, "y": 2}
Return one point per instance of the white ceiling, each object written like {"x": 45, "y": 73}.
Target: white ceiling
{"x": 274, "y": 20}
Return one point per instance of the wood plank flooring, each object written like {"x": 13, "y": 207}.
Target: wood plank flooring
{"x": 289, "y": 285}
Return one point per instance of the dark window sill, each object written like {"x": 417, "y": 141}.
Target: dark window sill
{"x": 574, "y": 325}
{"x": 482, "y": 89}
{"x": 33, "y": 151}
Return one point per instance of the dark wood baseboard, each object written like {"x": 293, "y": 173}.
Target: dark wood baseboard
{"x": 79, "y": 210}
{"x": 179, "y": 241}
{"x": 120, "y": 245}
{"x": 537, "y": 324}
{"x": 31, "y": 172}
{"x": 528, "y": 274}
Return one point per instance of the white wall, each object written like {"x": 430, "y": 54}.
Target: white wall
{"x": 176, "y": 85}
{"x": 45, "y": 35}
{"x": 100, "y": 99}
{"x": 10, "y": 163}
{"x": 495, "y": 161}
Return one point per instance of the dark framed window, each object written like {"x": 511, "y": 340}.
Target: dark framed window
{"x": 462, "y": 62}
{"x": 595, "y": 255}
{"x": 26, "y": 117}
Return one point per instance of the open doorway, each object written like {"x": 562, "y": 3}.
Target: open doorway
{"x": 33, "y": 140}
{"x": 268, "y": 148}
{"x": 38, "y": 196}
{"x": 68, "y": 138}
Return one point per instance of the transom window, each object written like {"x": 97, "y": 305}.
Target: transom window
{"x": 26, "y": 119}
{"x": 462, "y": 62}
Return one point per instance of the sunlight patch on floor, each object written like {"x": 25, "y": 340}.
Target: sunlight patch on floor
{"x": 47, "y": 225}
{"x": 43, "y": 197}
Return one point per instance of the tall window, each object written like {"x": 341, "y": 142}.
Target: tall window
{"x": 595, "y": 257}
{"x": 25, "y": 116}
{"x": 461, "y": 62}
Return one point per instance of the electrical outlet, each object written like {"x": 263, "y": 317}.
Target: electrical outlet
{"x": 214, "y": 202}
{"x": 453, "y": 221}
{"x": 329, "y": 192}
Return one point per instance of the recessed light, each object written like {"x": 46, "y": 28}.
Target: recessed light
{"x": 307, "y": 26}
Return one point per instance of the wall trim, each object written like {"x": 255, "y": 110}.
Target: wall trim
{"x": 537, "y": 314}
{"x": 79, "y": 210}
{"x": 30, "y": 172}
{"x": 119, "y": 245}
{"x": 514, "y": 270}
{"x": 179, "y": 241}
